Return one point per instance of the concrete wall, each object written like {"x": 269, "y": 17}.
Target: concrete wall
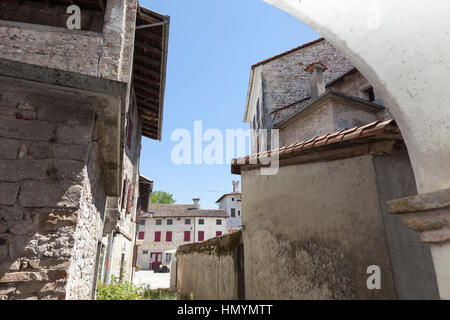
{"x": 411, "y": 259}
{"x": 212, "y": 270}
{"x": 312, "y": 230}
{"x": 307, "y": 238}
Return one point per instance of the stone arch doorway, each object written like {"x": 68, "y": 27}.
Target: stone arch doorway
{"x": 402, "y": 49}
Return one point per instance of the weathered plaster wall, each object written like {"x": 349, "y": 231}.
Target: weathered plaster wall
{"x": 312, "y": 230}
{"x": 52, "y": 201}
{"x": 212, "y": 270}
{"x": 411, "y": 259}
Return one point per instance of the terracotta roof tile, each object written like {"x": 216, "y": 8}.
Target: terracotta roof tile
{"x": 357, "y": 134}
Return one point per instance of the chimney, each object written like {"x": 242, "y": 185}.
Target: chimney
{"x": 196, "y": 205}
{"x": 235, "y": 186}
{"x": 316, "y": 79}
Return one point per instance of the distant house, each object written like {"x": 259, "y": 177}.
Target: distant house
{"x": 167, "y": 226}
{"x": 231, "y": 203}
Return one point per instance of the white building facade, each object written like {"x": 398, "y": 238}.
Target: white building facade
{"x": 231, "y": 204}
{"x": 167, "y": 226}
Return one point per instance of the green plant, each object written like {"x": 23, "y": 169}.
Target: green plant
{"x": 117, "y": 290}
{"x": 124, "y": 290}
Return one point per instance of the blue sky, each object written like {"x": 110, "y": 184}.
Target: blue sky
{"x": 212, "y": 46}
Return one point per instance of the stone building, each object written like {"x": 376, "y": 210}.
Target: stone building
{"x": 74, "y": 105}
{"x": 231, "y": 203}
{"x": 167, "y": 226}
{"x": 322, "y": 218}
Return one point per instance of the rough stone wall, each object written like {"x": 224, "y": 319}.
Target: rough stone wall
{"x": 352, "y": 85}
{"x": 285, "y": 80}
{"x": 212, "y": 270}
{"x": 88, "y": 233}
{"x": 310, "y": 125}
{"x": 55, "y": 48}
{"x": 51, "y": 197}
{"x": 92, "y": 53}
{"x": 313, "y": 230}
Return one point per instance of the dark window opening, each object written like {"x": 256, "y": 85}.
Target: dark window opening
{"x": 218, "y": 222}
{"x": 158, "y": 222}
{"x": 201, "y": 221}
{"x": 369, "y": 94}
{"x": 53, "y": 14}
{"x": 233, "y": 212}
{"x": 169, "y": 222}
{"x": 187, "y": 221}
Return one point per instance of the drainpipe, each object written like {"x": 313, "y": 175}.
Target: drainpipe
{"x": 110, "y": 250}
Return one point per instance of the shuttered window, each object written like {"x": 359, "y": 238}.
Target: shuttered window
{"x": 158, "y": 236}
{"x": 168, "y": 236}
{"x": 201, "y": 235}
{"x": 187, "y": 236}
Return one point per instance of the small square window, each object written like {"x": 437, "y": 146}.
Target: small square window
{"x": 187, "y": 221}
{"x": 145, "y": 252}
{"x": 142, "y": 222}
{"x": 169, "y": 222}
{"x": 201, "y": 221}
{"x": 158, "y": 222}
{"x": 232, "y": 199}
{"x": 218, "y": 222}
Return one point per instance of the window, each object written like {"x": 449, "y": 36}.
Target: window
{"x": 142, "y": 222}
{"x": 158, "y": 236}
{"x": 158, "y": 222}
{"x": 168, "y": 258}
{"x": 232, "y": 199}
{"x": 130, "y": 197}
{"x": 124, "y": 192}
{"x": 218, "y": 222}
{"x": 169, "y": 222}
{"x": 258, "y": 111}
{"x": 141, "y": 235}
{"x": 201, "y": 221}
{"x": 233, "y": 212}
{"x": 369, "y": 94}
{"x": 130, "y": 131}
{"x": 201, "y": 235}
{"x": 187, "y": 236}
{"x": 145, "y": 252}
{"x": 168, "y": 236}
{"x": 218, "y": 233}
{"x": 187, "y": 221}
{"x": 239, "y": 213}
